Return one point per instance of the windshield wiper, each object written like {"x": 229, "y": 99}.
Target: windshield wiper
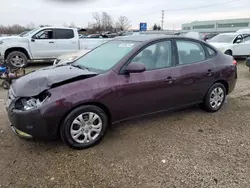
{"x": 80, "y": 67}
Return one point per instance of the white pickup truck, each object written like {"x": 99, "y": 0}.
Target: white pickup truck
{"x": 43, "y": 44}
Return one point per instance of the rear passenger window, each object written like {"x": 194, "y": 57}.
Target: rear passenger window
{"x": 190, "y": 52}
{"x": 211, "y": 52}
{"x": 64, "y": 33}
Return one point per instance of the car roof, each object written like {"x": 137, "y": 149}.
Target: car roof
{"x": 143, "y": 37}
{"x": 229, "y": 33}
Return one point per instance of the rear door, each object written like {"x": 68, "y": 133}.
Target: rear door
{"x": 42, "y": 44}
{"x": 196, "y": 69}
{"x": 66, "y": 41}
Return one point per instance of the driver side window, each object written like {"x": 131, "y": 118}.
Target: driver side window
{"x": 155, "y": 56}
{"x": 44, "y": 34}
{"x": 238, "y": 39}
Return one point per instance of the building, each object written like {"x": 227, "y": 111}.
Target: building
{"x": 229, "y": 25}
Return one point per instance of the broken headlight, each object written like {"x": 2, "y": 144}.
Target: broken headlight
{"x": 28, "y": 103}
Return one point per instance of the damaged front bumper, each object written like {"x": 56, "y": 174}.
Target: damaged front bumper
{"x": 30, "y": 123}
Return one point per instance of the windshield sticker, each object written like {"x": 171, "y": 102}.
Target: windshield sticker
{"x": 126, "y": 45}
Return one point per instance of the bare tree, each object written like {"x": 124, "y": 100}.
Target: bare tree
{"x": 14, "y": 29}
{"x": 98, "y": 21}
{"x": 107, "y": 22}
{"x": 123, "y": 23}
{"x": 72, "y": 25}
{"x": 65, "y": 24}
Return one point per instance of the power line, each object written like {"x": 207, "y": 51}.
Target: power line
{"x": 204, "y": 6}
{"x": 198, "y": 7}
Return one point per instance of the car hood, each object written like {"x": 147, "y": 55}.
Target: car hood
{"x": 14, "y": 38}
{"x": 38, "y": 81}
{"x": 220, "y": 45}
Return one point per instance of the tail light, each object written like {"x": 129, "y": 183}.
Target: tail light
{"x": 234, "y": 62}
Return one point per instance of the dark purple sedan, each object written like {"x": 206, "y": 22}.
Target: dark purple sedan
{"x": 124, "y": 78}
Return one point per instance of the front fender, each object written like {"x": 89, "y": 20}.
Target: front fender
{"x": 9, "y": 44}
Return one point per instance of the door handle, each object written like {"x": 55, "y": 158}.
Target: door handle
{"x": 169, "y": 80}
{"x": 209, "y": 72}
{"x": 51, "y": 42}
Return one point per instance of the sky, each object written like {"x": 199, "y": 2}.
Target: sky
{"x": 59, "y": 12}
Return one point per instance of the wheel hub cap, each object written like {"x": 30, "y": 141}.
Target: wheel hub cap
{"x": 86, "y": 127}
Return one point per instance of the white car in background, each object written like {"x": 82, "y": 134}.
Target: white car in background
{"x": 235, "y": 44}
{"x": 69, "y": 57}
{"x": 246, "y": 30}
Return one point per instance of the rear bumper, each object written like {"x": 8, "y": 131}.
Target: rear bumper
{"x": 232, "y": 82}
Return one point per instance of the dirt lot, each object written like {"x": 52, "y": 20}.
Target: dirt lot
{"x": 188, "y": 148}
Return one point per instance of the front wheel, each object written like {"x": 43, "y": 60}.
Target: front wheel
{"x": 84, "y": 127}
{"x": 229, "y": 52}
{"x": 214, "y": 98}
{"x": 17, "y": 59}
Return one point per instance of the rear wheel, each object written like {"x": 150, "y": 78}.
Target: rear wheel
{"x": 84, "y": 127}
{"x": 215, "y": 98}
{"x": 17, "y": 59}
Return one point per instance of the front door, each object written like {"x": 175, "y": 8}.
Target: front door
{"x": 149, "y": 91}
{"x": 43, "y": 45}
{"x": 243, "y": 48}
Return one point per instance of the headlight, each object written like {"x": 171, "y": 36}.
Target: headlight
{"x": 28, "y": 103}
{"x": 1, "y": 42}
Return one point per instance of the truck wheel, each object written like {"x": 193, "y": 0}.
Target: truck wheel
{"x": 229, "y": 52}
{"x": 6, "y": 84}
{"x": 17, "y": 59}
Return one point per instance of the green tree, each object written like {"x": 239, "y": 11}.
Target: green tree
{"x": 155, "y": 27}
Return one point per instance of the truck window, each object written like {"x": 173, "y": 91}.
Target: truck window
{"x": 44, "y": 34}
{"x": 64, "y": 34}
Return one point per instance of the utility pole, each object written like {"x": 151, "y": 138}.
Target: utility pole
{"x": 162, "y": 19}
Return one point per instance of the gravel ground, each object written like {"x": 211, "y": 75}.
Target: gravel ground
{"x": 188, "y": 148}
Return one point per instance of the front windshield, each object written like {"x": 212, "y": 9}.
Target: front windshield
{"x": 223, "y": 38}
{"x": 30, "y": 32}
{"x": 105, "y": 56}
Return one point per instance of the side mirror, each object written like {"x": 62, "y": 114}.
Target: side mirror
{"x": 248, "y": 62}
{"x": 238, "y": 41}
{"x": 33, "y": 38}
{"x": 134, "y": 67}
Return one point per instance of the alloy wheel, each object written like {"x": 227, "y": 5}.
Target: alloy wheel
{"x": 17, "y": 61}
{"x": 216, "y": 97}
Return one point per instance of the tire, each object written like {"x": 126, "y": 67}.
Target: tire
{"x": 229, "y": 52}
{"x": 210, "y": 106}
{"x": 6, "y": 84}
{"x": 17, "y": 59}
{"x": 83, "y": 131}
